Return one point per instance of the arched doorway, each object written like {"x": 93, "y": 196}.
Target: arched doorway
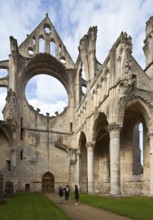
{"x": 48, "y": 183}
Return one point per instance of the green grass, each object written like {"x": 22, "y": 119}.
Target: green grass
{"x": 30, "y": 206}
{"x": 36, "y": 206}
{"x": 136, "y": 207}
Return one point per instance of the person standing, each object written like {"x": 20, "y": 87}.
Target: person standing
{"x": 60, "y": 193}
{"x": 76, "y": 192}
{"x": 67, "y": 192}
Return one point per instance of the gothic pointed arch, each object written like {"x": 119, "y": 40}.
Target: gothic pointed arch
{"x": 124, "y": 104}
{"x": 101, "y": 154}
{"x": 134, "y": 146}
{"x": 83, "y": 163}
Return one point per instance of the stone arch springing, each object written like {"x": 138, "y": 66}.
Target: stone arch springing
{"x": 83, "y": 163}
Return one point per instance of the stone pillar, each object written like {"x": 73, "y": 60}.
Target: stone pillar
{"x": 151, "y": 163}
{"x": 90, "y": 157}
{"x": 114, "y": 133}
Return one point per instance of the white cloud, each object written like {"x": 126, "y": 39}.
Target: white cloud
{"x": 72, "y": 20}
{"x": 111, "y": 18}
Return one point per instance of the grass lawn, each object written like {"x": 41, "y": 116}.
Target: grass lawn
{"x": 136, "y": 207}
{"x": 30, "y": 206}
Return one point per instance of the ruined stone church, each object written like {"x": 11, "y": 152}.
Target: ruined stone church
{"x": 102, "y": 141}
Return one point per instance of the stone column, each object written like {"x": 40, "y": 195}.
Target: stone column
{"x": 77, "y": 169}
{"x": 151, "y": 163}
{"x": 114, "y": 133}
{"x": 90, "y": 157}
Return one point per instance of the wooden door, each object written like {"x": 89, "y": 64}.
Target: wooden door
{"x": 48, "y": 183}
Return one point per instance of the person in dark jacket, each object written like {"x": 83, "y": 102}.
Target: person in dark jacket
{"x": 67, "y": 191}
{"x": 60, "y": 193}
{"x": 76, "y": 192}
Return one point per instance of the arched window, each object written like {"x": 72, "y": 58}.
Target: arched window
{"x": 84, "y": 86}
{"x": 138, "y": 146}
{"x": 41, "y": 45}
{"x": 52, "y": 48}
{"x": 34, "y": 40}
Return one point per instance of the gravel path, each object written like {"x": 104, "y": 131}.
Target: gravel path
{"x": 83, "y": 211}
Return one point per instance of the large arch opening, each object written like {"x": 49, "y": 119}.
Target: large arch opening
{"x": 46, "y": 93}
{"x": 134, "y": 149}
{"x": 101, "y": 155}
{"x": 83, "y": 163}
{"x": 46, "y": 66}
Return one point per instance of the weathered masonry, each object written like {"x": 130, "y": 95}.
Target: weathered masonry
{"x": 102, "y": 141}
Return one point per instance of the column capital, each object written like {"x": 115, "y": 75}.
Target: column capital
{"x": 114, "y": 127}
{"x": 90, "y": 144}
{"x": 114, "y": 131}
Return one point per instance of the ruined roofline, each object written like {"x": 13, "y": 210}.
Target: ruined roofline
{"x": 50, "y": 39}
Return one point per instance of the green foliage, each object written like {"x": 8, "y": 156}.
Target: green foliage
{"x": 30, "y": 206}
{"x": 136, "y": 207}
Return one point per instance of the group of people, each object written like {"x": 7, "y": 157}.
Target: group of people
{"x": 66, "y": 192}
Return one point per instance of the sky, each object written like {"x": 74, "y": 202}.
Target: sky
{"x": 71, "y": 19}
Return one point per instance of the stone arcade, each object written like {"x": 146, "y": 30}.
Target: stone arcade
{"x": 95, "y": 142}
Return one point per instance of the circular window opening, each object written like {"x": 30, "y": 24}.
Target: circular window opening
{"x": 30, "y": 51}
{"x": 47, "y": 28}
{"x": 46, "y": 93}
{"x": 63, "y": 60}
